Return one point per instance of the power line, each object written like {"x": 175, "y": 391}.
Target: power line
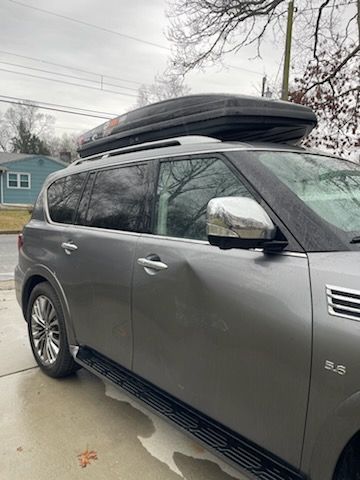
{"x": 55, "y": 109}
{"x": 112, "y": 115}
{"x": 245, "y": 69}
{"x": 66, "y": 75}
{"x": 68, "y": 83}
{"x": 92, "y": 25}
{"x": 280, "y": 65}
{"x": 329, "y": 6}
{"x": 69, "y": 67}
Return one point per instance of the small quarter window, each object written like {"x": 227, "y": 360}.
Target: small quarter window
{"x": 63, "y": 197}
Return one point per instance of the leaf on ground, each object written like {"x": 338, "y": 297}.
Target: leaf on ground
{"x": 198, "y": 448}
{"x": 86, "y": 457}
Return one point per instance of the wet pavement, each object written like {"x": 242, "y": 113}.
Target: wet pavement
{"x": 46, "y": 423}
{"x": 8, "y": 256}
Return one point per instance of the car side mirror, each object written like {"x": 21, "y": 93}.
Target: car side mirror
{"x": 240, "y": 222}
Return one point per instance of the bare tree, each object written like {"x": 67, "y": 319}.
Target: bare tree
{"x": 326, "y": 52}
{"x": 163, "y": 88}
{"x": 335, "y": 99}
{"x": 64, "y": 146}
{"x": 204, "y": 31}
{"x": 23, "y": 127}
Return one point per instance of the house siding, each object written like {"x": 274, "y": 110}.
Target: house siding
{"x": 38, "y": 168}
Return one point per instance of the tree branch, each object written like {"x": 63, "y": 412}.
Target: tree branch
{"x": 317, "y": 26}
{"x": 351, "y": 55}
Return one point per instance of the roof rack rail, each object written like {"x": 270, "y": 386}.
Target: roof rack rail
{"x": 170, "y": 142}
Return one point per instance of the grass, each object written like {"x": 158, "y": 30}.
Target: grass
{"x": 13, "y": 219}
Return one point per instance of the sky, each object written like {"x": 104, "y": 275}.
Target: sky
{"x": 91, "y": 54}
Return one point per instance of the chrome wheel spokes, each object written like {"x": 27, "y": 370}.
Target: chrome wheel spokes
{"x": 45, "y": 330}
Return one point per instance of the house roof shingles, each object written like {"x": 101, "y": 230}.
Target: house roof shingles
{"x": 14, "y": 157}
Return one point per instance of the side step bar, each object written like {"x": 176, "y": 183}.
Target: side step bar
{"x": 229, "y": 445}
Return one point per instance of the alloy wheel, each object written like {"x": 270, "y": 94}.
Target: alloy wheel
{"x": 45, "y": 330}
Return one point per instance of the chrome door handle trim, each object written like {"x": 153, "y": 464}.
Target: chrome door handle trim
{"x": 69, "y": 247}
{"x": 153, "y": 264}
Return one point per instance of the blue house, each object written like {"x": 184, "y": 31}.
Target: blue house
{"x": 22, "y": 176}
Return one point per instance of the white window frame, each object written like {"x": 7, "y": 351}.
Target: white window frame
{"x": 18, "y": 177}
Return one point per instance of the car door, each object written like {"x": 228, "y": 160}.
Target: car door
{"x": 227, "y": 331}
{"x": 98, "y": 258}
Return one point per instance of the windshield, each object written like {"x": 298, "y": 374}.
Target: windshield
{"x": 329, "y": 186}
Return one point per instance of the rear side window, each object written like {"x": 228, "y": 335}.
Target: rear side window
{"x": 63, "y": 196}
{"x": 119, "y": 200}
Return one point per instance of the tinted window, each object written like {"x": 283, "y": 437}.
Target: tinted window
{"x": 185, "y": 188}
{"x": 63, "y": 197}
{"x": 119, "y": 199}
{"x": 85, "y": 200}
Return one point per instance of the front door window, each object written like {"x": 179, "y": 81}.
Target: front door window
{"x": 185, "y": 188}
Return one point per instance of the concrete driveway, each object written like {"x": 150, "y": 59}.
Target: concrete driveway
{"x": 46, "y": 423}
{"x": 8, "y": 256}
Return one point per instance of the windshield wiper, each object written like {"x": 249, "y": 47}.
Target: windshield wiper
{"x": 355, "y": 240}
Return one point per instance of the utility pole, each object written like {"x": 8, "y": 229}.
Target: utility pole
{"x": 285, "y": 83}
{"x": 263, "y": 86}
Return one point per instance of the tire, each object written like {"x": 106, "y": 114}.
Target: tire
{"x": 47, "y": 332}
{"x": 348, "y": 467}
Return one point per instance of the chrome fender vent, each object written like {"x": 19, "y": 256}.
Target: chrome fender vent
{"x": 343, "y": 302}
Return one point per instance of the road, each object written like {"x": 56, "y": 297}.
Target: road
{"x": 8, "y": 256}
{"x": 45, "y": 424}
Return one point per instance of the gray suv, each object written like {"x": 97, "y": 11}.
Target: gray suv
{"x": 218, "y": 283}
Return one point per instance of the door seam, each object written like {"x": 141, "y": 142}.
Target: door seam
{"x": 131, "y": 304}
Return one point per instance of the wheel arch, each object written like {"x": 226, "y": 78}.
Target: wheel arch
{"x": 337, "y": 434}
{"x": 348, "y": 463}
{"x": 39, "y": 274}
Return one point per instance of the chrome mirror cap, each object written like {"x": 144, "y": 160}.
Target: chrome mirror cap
{"x": 239, "y": 218}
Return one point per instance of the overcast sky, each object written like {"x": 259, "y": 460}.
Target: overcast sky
{"x": 32, "y": 33}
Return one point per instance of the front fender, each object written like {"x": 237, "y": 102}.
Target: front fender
{"x": 334, "y": 435}
{"x": 49, "y": 276}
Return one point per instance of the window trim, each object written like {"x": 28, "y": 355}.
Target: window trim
{"x": 18, "y": 180}
{"x": 90, "y": 179}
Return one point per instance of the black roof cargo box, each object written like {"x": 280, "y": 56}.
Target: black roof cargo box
{"x": 222, "y": 116}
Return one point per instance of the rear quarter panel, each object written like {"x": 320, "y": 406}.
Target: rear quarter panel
{"x": 39, "y": 257}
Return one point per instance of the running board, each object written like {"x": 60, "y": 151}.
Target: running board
{"x": 229, "y": 445}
